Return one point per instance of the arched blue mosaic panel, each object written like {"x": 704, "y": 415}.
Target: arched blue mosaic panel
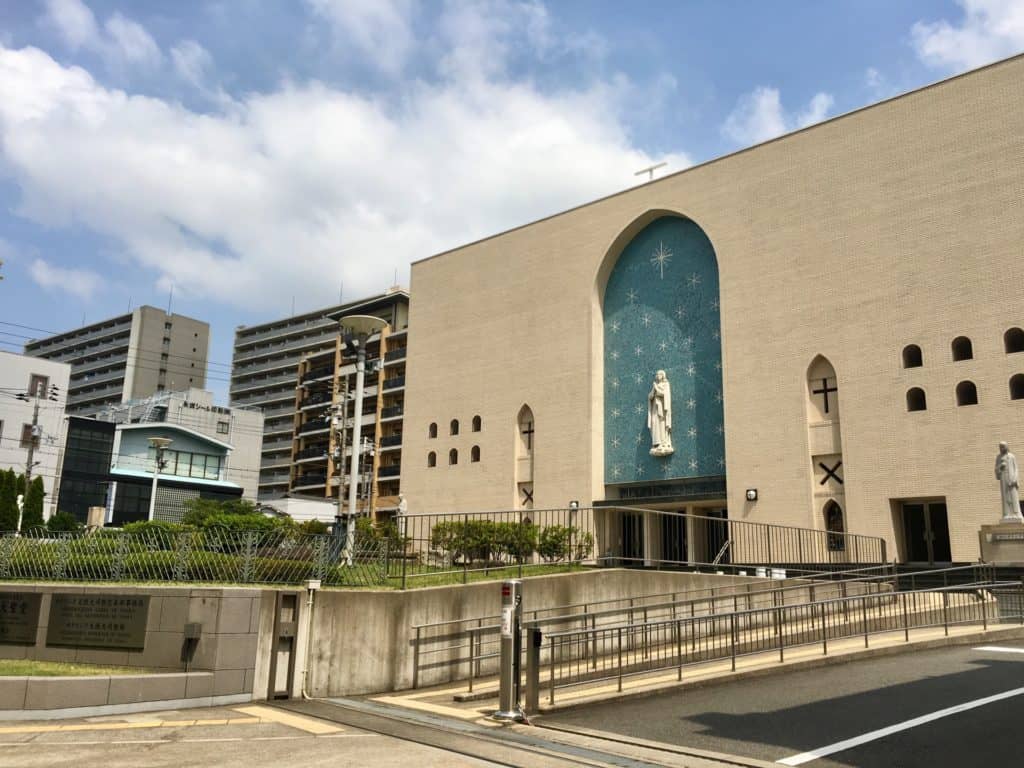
{"x": 661, "y": 312}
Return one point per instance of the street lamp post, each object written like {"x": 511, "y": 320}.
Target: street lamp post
{"x": 356, "y": 330}
{"x": 160, "y": 444}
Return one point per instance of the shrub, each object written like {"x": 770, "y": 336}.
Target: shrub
{"x": 313, "y": 527}
{"x": 154, "y": 527}
{"x": 33, "y": 513}
{"x": 560, "y": 542}
{"x": 63, "y": 522}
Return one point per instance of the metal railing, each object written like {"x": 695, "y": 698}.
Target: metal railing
{"x": 215, "y": 555}
{"x": 613, "y": 653}
{"x": 468, "y": 648}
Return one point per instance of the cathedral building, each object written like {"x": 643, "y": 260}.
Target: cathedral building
{"x": 825, "y": 330}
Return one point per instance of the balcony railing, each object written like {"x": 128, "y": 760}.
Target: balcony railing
{"x": 286, "y": 330}
{"x": 394, "y": 383}
{"x": 316, "y": 398}
{"x": 314, "y": 426}
{"x": 322, "y": 340}
{"x": 391, "y": 411}
{"x": 316, "y": 451}
{"x": 391, "y": 471}
{"x": 261, "y": 383}
{"x": 310, "y": 479}
{"x": 390, "y": 440}
{"x": 318, "y": 373}
{"x": 395, "y": 354}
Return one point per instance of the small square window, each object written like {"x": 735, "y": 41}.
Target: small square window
{"x": 27, "y": 435}
{"x": 222, "y": 427}
{"x": 37, "y": 384}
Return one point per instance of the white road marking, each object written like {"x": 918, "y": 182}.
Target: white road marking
{"x": 999, "y": 648}
{"x": 856, "y": 741}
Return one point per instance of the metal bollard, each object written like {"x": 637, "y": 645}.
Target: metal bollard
{"x": 509, "y": 708}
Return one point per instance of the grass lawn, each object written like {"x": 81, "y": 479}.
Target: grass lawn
{"x": 29, "y": 668}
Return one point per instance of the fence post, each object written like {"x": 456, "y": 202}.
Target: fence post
{"x": 416, "y": 660}
{"x": 620, "y": 658}
{"x": 405, "y": 558}
{"x": 679, "y": 648}
{"x": 906, "y": 623}
{"x": 593, "y": 642}
{"x": 518, "y": 544}
{"x": 864, "y": 615}
{"x": 465, "y": 549}
{"x": 945, "y": 612}
{"x": 732, "y": 639}
{"x": 1020, "y": 600}
{"x": 551, "y": 676}
{"x": 782, "y": 641}
{"x": 768, "y": 536}
{"x": 824, "y": 630}
{"x": 472, "y": 657}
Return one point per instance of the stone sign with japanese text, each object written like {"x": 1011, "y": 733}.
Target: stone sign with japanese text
{"x": 19, "y": 617}
{"x": 98, "y": 621}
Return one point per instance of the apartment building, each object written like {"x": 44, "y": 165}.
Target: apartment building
{"x": 265, "y": 370}
{"x": 128, "y": 357}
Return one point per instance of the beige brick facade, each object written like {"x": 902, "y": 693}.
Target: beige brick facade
{"x": 902, "y": 223}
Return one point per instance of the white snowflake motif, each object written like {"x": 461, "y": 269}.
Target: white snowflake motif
{"x": 638, "y": 350}
{"x": 615, "y": 442}
{"x": 638, "y": 378}
{"x": 693, "y": 464}
{"x": 614, "y": 355}
{"x": 691, "y": 370}
{"x": 717, "y": 334}
{"x": 688, "y": 342}
{"x": 662, "y": 346}
{"x": 714, "y": 304}
{"x": 639, "y": 438}
{"x": 632, "y": 296}
{"x": 616, "y": 413}
{"x": 693, "y": 280}
{"x": 680, "y": 313}
{"x": 718, "y": 365}
{"x": 718, "y": 397}
{"x": 666, "y": 469}
{"x": 660, "y": 258}
{"x": 691, "y": 404}
{"x": 691, "y": 433}
{"x": 615, "y": 326}
{"x": 640, "y": 408}
{"x": 720, "y": 429}
{"x": 639, "y": 470}
{"x": 645, "y": 320}
{"x": 616, "y": 471}
{"x": 721, "y": 463}
{"x": 615, "y": 383}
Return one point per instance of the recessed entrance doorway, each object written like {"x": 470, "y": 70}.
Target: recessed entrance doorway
{"x": 926, "y": 532}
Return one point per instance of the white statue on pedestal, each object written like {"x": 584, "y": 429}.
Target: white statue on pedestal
{"x": 659, "y": 416}
{"x": 1009, "y": 484}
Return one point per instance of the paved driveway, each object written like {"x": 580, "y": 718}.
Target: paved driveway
{"x": 947, "y": 707}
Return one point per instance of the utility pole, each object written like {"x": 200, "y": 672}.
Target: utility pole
{"x": 49, "y": 394}
{"x": 338, "y": 418}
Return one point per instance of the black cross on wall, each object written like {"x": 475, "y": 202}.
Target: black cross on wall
{"x": 825, "y": 389}
{"x": 527, "y": 494}
{"x": 831, "y": 473}
{"x": 529, "y": 435}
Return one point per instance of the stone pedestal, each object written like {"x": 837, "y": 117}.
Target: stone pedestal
{"x": 1002, "y": 543}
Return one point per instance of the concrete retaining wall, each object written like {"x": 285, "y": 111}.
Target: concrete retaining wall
{"x": 364, "y": 642}
{"x": 227, "y": 647}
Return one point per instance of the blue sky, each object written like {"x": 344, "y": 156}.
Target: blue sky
{"x": 254, "y": 154}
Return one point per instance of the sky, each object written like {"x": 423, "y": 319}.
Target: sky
{"x": 242, "y": 158}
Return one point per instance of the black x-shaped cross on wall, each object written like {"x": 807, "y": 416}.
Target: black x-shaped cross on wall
{"x": 831, "y": 473}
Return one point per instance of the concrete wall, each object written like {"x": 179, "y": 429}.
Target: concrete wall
{"x": 365, "y": 641}
{"x": 228, "y": 644}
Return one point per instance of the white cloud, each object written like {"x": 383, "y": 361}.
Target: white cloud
{"x": 191, "y": 62}
{"x": 300, "y": 189}
{"x": 74, "y": 22}
{"x": 989, "y": 30}
{"x": 760, "y": 116}
{"x": 121, "y": 42}
{"x": 82, "y": 283}
{"x": 378, "y": 29}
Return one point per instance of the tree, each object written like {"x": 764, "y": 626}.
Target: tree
{"x": 8, "y": 501}
{"x": 33, "y": 514}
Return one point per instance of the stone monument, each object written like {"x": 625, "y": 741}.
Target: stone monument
{"x": 659, "y": 416}
{"x": 1004, "y": 542}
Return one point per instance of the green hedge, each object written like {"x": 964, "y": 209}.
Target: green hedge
{"x": 489, "y": 540}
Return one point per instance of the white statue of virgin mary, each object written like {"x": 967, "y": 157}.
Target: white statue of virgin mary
{"x": 659, "y": 416}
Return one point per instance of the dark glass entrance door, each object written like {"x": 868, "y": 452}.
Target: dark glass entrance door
{"x": 632, "y": 538}
{"x": 717, "y": 535}
{"x": 673, "y": 539}
{"x": 926, "y": 533}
